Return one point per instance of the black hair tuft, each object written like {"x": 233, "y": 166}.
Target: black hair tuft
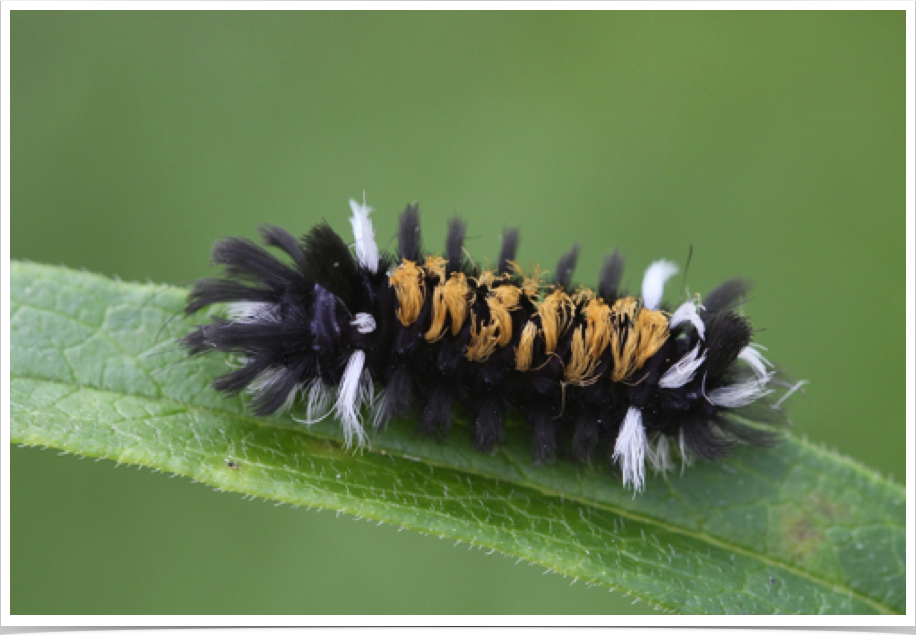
{"x": 566, "y": 266}
{"x": 409, "y": 233}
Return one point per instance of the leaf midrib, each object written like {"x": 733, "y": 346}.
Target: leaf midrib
{"x": 622, "y": 512}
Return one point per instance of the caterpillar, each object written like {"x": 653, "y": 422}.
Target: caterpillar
{"x": 348, "y": 328}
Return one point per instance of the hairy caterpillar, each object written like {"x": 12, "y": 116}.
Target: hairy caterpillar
{"x": 587, "y": 369}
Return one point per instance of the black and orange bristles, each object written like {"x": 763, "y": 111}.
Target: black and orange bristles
{"x": 421, "y": 334}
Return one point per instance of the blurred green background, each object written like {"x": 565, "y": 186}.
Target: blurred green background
{"x": 773, "y": 142}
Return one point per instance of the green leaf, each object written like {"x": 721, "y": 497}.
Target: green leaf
{"x": 797, "y": 529}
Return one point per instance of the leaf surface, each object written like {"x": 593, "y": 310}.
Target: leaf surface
{"x": 95, "y": 371}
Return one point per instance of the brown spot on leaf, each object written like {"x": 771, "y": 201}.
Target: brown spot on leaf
{"x": 802, "y": 538}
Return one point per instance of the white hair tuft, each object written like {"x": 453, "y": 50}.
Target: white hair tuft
{"x": 683, "y": 370}
{"x": 630, "y": 449}
{"x": 653, "y": 283}
{"x": 355, "y": 389}
{"x": 687, "y": 312}
{"x": 364, "y": 235}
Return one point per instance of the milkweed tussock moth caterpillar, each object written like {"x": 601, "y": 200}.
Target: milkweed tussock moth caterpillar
{"x": 361, "y": 333}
